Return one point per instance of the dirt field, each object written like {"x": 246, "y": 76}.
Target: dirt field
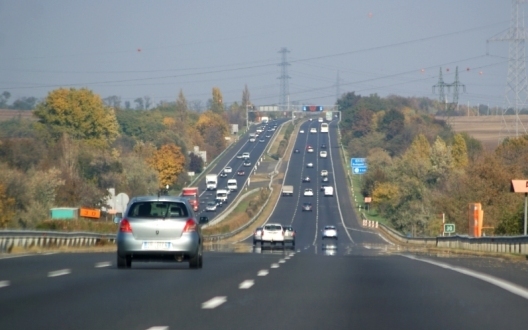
{"x": 10, "y": 114}
{"x": 490, "y": 130}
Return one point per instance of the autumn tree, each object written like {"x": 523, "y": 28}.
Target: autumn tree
{"x": 459, "y": 152}
{"x": 6, "y": 207}
{"x": 217, "y": 102}
{"x": 79, "y": 113}
{"x": 169, "y": 163}
{"x": 213, "y": 128}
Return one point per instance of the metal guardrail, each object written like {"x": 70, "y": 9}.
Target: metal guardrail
{"x": 45, "y": 239}
{"x": 490, "y": 244}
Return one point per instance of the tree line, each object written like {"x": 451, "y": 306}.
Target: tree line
{"x": 80, "y": 145}
{"x": 419, "y": 170}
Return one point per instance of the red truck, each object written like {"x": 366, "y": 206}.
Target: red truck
{"x": 192, "y": 194}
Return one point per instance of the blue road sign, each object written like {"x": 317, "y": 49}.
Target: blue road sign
{"x": 358, "y": 162}
{"x": 359, "y": 169}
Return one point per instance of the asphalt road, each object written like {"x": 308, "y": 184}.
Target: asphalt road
{"x": 361, "y": 282}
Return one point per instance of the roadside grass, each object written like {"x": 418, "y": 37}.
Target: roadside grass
{"x": 79, "y": 225}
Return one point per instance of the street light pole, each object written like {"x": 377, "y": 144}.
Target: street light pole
{"x": 247, "y": 117}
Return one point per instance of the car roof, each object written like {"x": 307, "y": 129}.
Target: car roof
{"x": 329, "y": 227}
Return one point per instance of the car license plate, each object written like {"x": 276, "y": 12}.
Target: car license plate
{"x": 156, "y": 246}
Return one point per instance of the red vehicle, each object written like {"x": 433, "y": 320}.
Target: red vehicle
{"x": 192, "y": 194}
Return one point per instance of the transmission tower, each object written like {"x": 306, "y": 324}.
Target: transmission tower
{"x": 456, "y": 88}
{"x": 441, "y": 86}
{"x": 516, "y": 93}
{"x": 284, "y": 86}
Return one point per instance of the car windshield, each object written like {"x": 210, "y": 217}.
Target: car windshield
{"x": 156, "y": 209}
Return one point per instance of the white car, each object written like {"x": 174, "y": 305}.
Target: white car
{"x": 210, "y": 206}
{"x": 323, "y": 154}
{"x": 301, "y": 131}
{"x": 308, "y": 192}
{"x": 252, "y": 139}
{"x": 324, "y": 173}
{"x": 271, "y": 233}
{"x": 228, "y": 169}
{"x": 330, "y": 232}
{"x": 313, "y": 130}
{"x": 309, "y": 165}
{"x": 310, "y": 149}
{"x": 245, "y": 155}
{"x": 320, "y": 119}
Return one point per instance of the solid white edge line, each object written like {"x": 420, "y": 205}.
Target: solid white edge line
{"x": 60, "y": 272}
{"x": 159, "y": 328}
{"x": 503, "y": 284}
{"x": 3, "y": 284}
{"x": 103, "y": 264}
{"x": 214, "y": 302}
{"x": 246, "y": 284}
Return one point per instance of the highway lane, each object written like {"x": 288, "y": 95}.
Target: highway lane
{"x": 363, "y": 283}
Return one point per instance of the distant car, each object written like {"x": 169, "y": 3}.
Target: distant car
{"x": 228, "y": 169}
{"x": 251, "y": 139}
{"x": 257, "y": 236}
{"x": 323, "y": 187}
{"x": 324, "y": 173}
{"x": 301, "y": 131}
{"x": 268, "y": 136}
{"x": 313, "y": 130}
{"x": 262, "y": 140}
{"x": 272, "y": 233}
{"x": 310, "y": 149}
{"x": 241, "y": 172}
{"x": 330, "y": 232}
{"x": 308, "y": 192}
{"x": 325, "y": 179}
{"x": 307, "y": 207}
{"x": 323, "y": 146}
{"x": 246, "y": 163}
{"x": 211, "y": 206}
{"x": 223, "y": 174}
{"x": 306, "y": 179}
{"x": 311, "y": 119}
{"x": 323, "y": 154}
{"x": 309, "y": 165}
{"x": 240, "y": 156}
{"x": 289, "y": 235}
{"x": 246, "y": 155}
{"x": 320, "y": 119}
{"x": 296, "y": 151}
{"x": 141, "y": 237}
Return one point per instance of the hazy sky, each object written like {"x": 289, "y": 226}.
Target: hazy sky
{"x": 133, "y": 48}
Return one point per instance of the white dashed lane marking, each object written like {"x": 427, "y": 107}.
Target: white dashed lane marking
{"x": 3, "y": 284}
{"x": 282, "y": 261}
{"x": 263, "y": 272}
{"x": 103, "y": 264}
{"x": 158, "y": 328}
{"x": 246, "y": 284}
{"x": 214, "y": 302}
{"x": 59, "y": 273}
{"x": 275, "y": 266}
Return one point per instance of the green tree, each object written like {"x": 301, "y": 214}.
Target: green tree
{"x": 79, "y": 113}
{"x": 4, "y": 97}
{"x": 7, "y": 207}
{"x": 459, "y": 152}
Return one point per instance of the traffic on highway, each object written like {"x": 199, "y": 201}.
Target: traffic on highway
{"x": 309, "y": 265}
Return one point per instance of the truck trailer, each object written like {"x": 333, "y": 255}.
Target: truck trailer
{"x": 211, "y": 181}
{"x": 287, "y": 190}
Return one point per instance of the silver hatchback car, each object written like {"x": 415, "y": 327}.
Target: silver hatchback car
{"x": 159, "y": 229}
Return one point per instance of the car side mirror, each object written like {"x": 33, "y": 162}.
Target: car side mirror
{"x": 204, "y": 220}
{"x": 117, "y": 219}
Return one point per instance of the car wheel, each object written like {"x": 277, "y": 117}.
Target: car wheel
{"x": 195, "y": 262}
{"x": 121, "y": 262}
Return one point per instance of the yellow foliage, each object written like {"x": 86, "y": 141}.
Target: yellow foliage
{"x": 169, "y": 162}
{"x": 169, "y": 122}
{"x": 385, "y": 192}
{"x": 6, "y": 208}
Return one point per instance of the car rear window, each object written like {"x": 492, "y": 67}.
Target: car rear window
{"x": 273, "y": 227}
{"x": 156, "y": 209}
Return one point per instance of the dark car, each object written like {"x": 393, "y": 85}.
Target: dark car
{"x": 323, "y": 146}
{"x": 296, "y": 151}
{"x": 223, "y": 175}
{"x": 247, "y": 163}
{"x": 306, "y": 179}
{"x": 324, "y": 179}
{"x": 140, "y": 236}
{"x": 307, "y": 207}
{"x": 241, "y": 172}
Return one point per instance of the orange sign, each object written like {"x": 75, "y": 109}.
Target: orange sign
{"x": 90, "y": 213}
{"x": 519, "y": 186}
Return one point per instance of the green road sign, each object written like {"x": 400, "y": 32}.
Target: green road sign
{"x": 449, "y": 228}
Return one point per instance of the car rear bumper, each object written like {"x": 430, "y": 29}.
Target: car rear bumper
{"x": 182, "y": 248}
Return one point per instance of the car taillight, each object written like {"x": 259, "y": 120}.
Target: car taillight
{"x": 124, "y": 226}
{"x": 190, "y": 226}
